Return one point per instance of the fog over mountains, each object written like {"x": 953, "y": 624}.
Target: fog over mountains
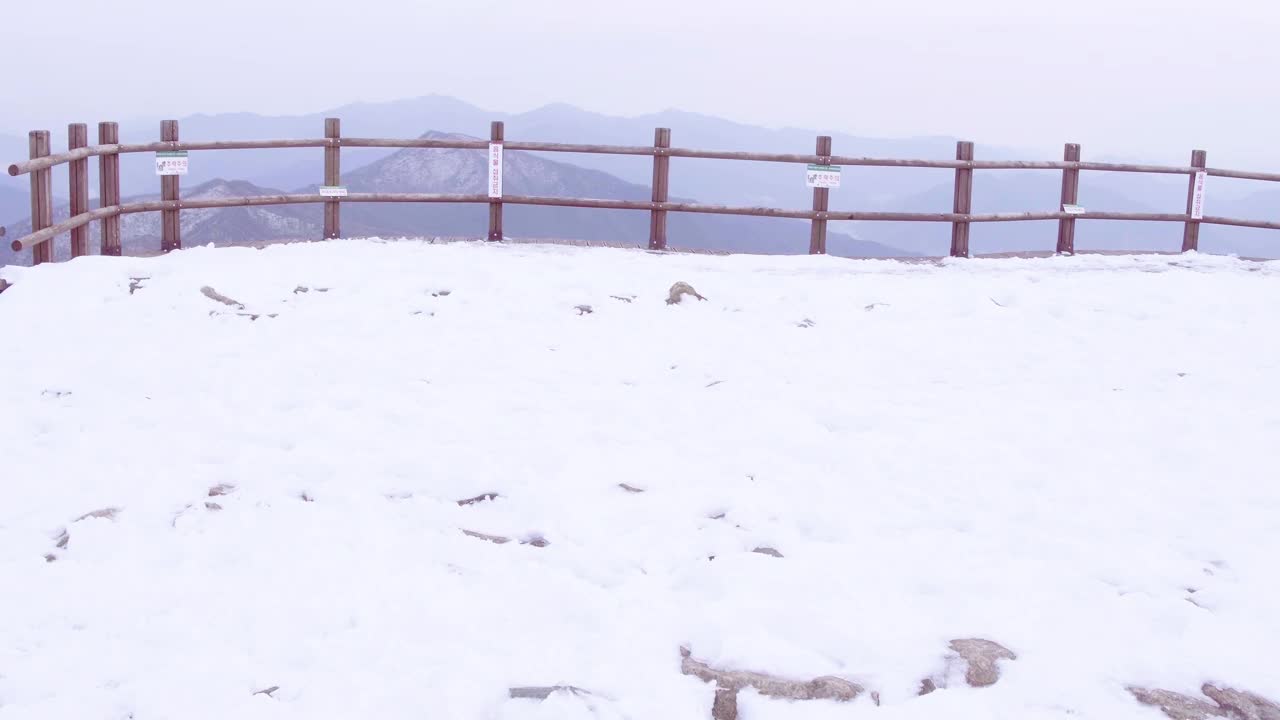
{"x": 628, "y": 177}
{"x": 14, "y": 203}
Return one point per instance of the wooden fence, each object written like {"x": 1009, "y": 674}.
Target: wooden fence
{"x": 109, "y": 149}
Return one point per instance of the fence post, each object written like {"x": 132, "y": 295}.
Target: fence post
{"x": 1070, "y": 194}
{"x": 821, "y": 195}
{"x": 332, "y": 176}
{"x": 78, "y": 176}
{"x": 495, "y": 206}
{"x": 109, "y": 187}
{"x": 661, "y": 175}
{"x": 963, "y": 201}
{"x": 41, "y": 197}
{"x": 1191, "y": 230}
{"x": 170, "y": 229}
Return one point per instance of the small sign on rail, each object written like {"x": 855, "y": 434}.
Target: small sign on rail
{"x": 495, "y": 170}
{"x": 1197, "y": 196}
{"x": 822, "y": 176}
{"x": 171, "y": 162}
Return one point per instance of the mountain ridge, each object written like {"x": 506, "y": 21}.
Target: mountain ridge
{"x": 720, "y": 182}
{"x": 463, "y": 172}
{"x": 439, "y": 170}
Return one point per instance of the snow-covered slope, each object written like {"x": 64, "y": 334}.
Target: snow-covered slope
{"x": 1072, "y": 457}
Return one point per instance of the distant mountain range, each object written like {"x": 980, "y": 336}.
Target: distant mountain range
{"x": 454, "y": 171}
{"x": 1018, "y": 191}
{"x": 714, "y": 181}
{"x": 140, "y": 233}
{"x": 463, "y": 171}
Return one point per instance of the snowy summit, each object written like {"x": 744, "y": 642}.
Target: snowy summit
{"x": 402, "y": 480}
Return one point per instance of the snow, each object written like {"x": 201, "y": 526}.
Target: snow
{"x": 1047, "y": 453}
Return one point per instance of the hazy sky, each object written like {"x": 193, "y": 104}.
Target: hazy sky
{"x": 1141, "y": 77}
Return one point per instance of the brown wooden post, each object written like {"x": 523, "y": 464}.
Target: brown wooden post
{"x": 661, "y": 176}
{"x": 109, "y": 187}
{"x": 1191, "y": 230}
{"x": 821, "y": 199}
{"x": 495, "y": 206}
{"x": 41, "y": 197}
{"x": 170, "y": 229}
{"x": 332, "y": 176}
{"x": 963, "y": 201}
{"x": 78, "y": 175}
{"x": 1070, "y": 194}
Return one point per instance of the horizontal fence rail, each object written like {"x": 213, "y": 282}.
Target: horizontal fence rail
{"x": 22, "y": 168}
{"x": 108, "y": 150}
{"x": 49, "y": 233}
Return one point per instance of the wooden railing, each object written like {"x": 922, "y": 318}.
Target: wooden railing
{"x": 109, "y": 149}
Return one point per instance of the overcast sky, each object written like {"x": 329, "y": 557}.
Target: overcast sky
{"x": 1141, "y": 77}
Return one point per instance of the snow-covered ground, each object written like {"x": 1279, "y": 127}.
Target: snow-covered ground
{"x": 1073, "y": 457}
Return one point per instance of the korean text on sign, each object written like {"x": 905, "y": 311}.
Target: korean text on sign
{"x": 822, "y": 176}
{"x": 495, "y": 170}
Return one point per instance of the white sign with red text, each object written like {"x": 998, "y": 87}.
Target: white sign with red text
{"x": 495, "y": 169}
{"x": 1197, "y": 196}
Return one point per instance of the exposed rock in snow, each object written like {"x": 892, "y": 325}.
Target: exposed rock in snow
{"x": 729, "y": 682}
{"x": 982, "y": 658}
{"x": 1227, "y": 702}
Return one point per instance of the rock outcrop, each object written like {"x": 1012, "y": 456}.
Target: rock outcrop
{"x": 1222, "y": 703}
{"x": 729, "y": 682}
